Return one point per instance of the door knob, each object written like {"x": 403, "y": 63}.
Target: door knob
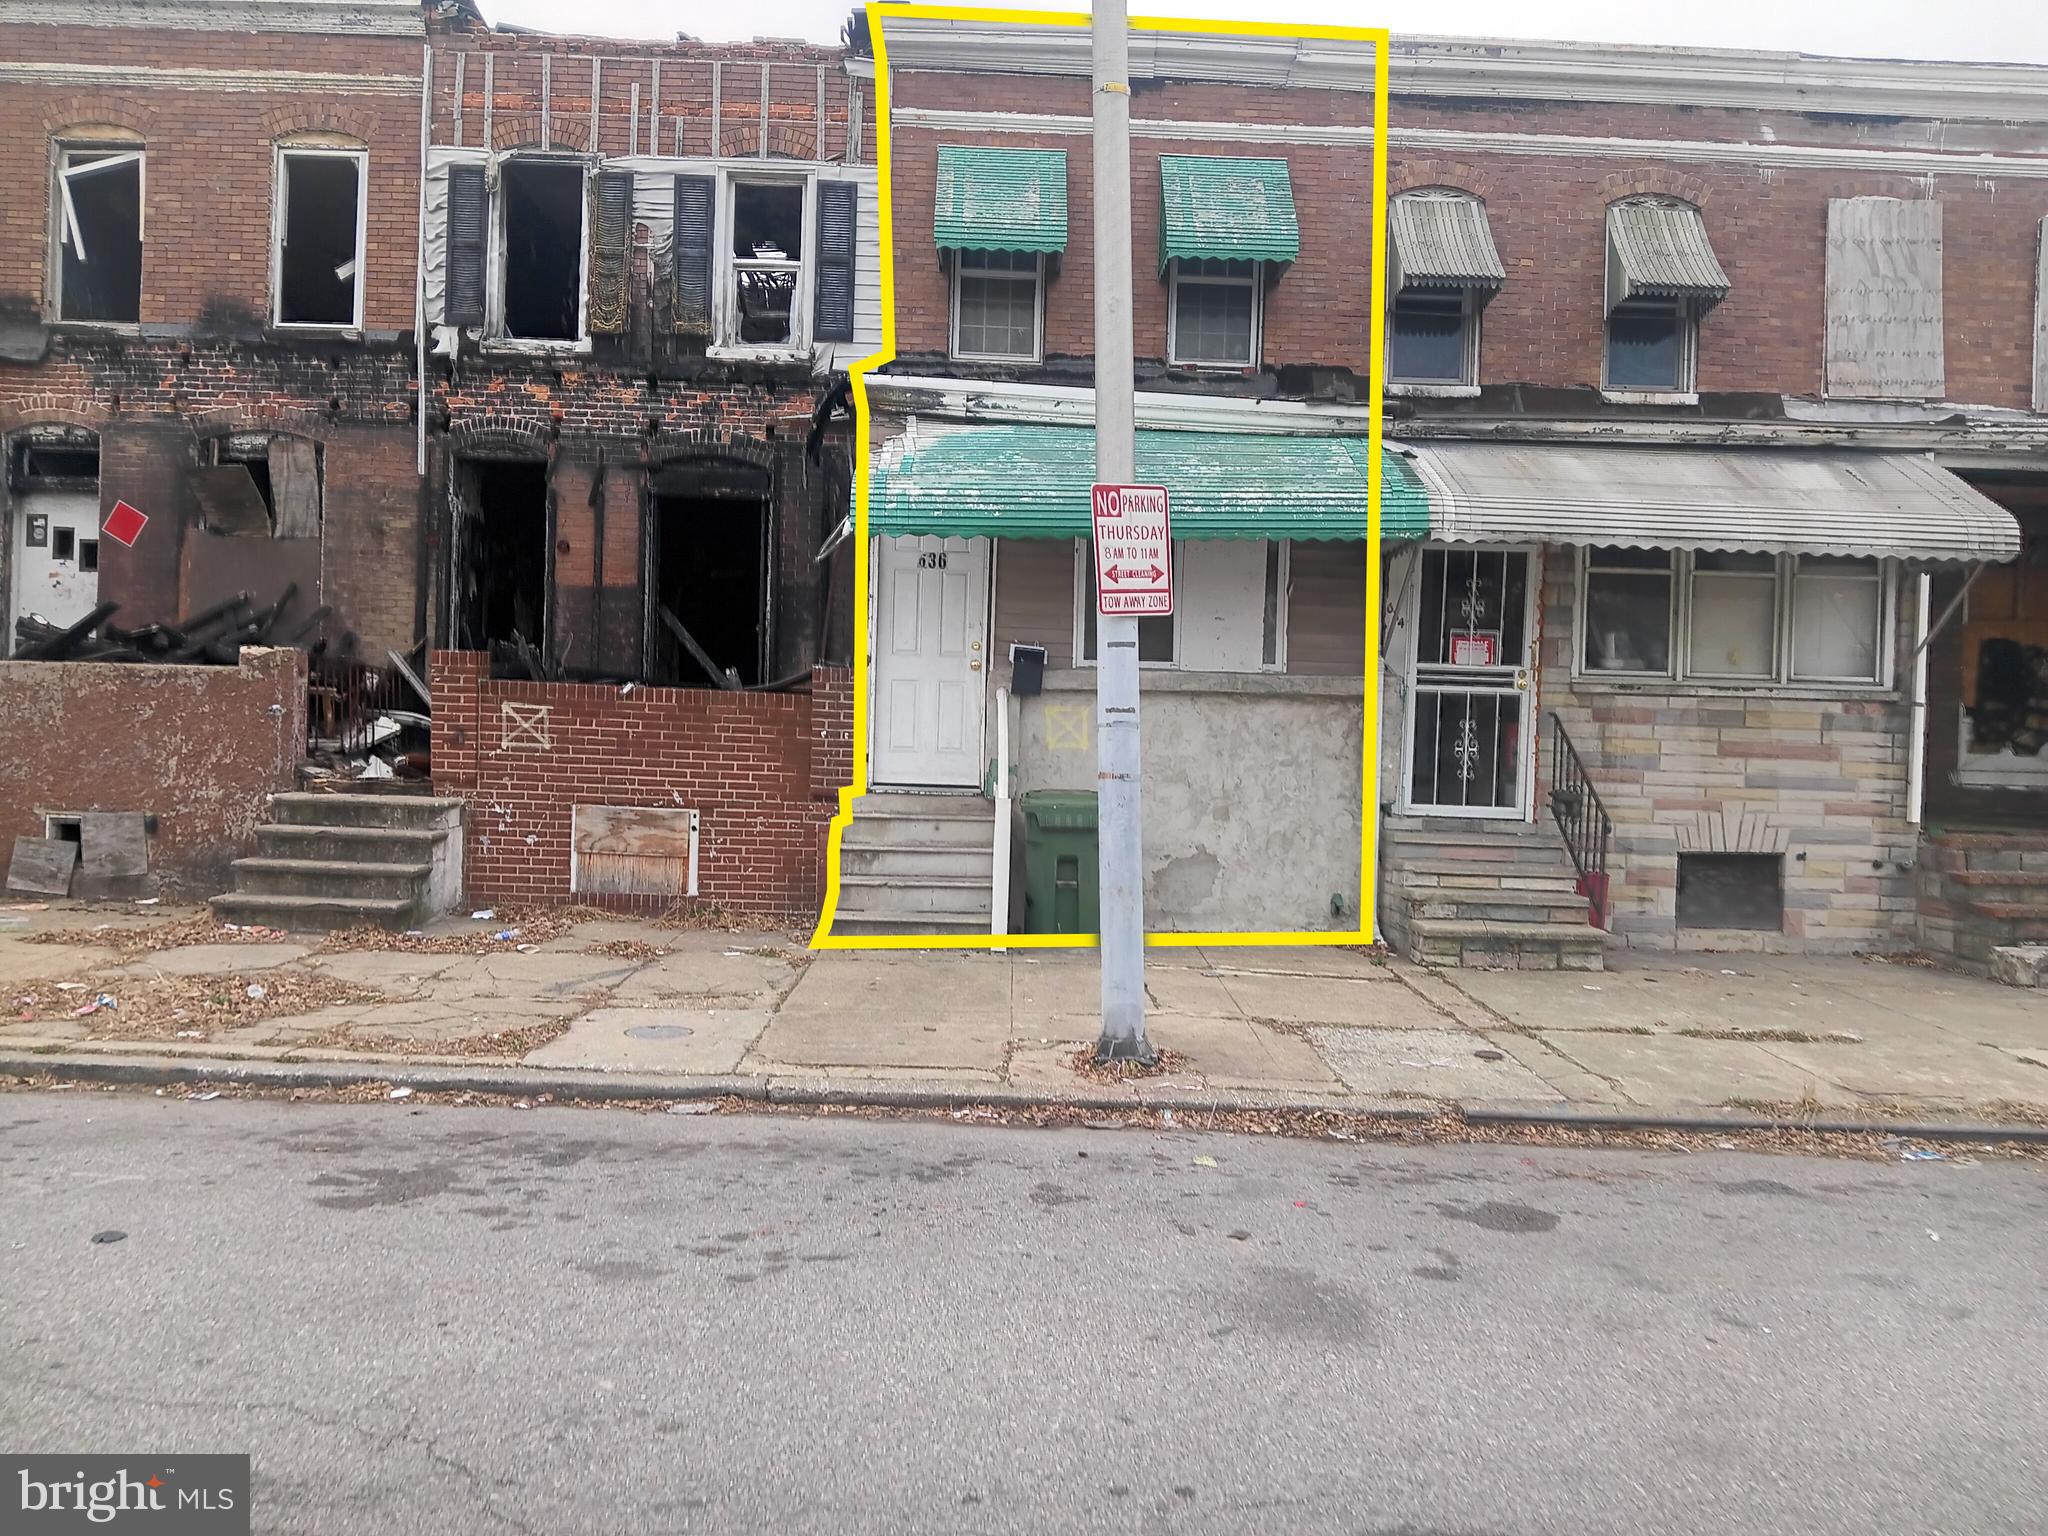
{"x": 1522, "y": 678}
{"x": 975, "y": 665}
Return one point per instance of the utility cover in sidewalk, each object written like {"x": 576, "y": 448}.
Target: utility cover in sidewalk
{"x": 658, "y": 1031}
{"x": 1133, "y": 550}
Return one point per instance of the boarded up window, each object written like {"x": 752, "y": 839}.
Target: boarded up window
{"x": 633, "y": 850}
{"x": 1731, "y": 890}
{"x": 1884, "y": 338}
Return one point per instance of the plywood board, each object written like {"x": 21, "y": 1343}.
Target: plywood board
{"x": 114, "y": 844}
{"x": 1884, "y": 299}
{"x": 633, "y": 850}
{"x": 42, "y": 866}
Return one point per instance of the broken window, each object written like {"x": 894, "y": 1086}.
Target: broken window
{"x": 99, "y": 226}
{"x": 714, "y": 563}
{"x": 767, "y": 261}
{"x": 542, "y": 273}
{"x": 319, "y": 228}
{"x": 502, "y": 554}
{"x": 262, "y": 486}
{"x": 1214, "y": 316}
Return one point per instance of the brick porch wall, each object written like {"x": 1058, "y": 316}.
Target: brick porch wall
{"x": 759, "y": 768}
{"x": 1820, "y": 778}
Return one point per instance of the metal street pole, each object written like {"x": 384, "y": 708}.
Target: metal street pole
{"x": 1116, "y": 672}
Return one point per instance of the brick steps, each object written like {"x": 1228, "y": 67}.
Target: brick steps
{"x": 1980, "y": 892}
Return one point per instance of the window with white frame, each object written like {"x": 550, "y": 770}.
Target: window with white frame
{"x": 541, "y": 248}
{"x": 1433, "y": 337}
{"x": 1716, "y": 616}
{"x": 765, "y": 269}
{"x": 317, "y": 238}
{"x": 97, "y": 222}
{"x": 1651, "y": 344}
{"x": 1213, "y": 313}
{"x": 998, "y": 305}
{"x": 1230, "y": 608}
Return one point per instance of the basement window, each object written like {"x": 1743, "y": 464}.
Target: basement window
{"x": 318, "y": 256}
{"x": 98, "y": 224}
{"x": 1731, "y": 890}
{"x": 541, "y": 274}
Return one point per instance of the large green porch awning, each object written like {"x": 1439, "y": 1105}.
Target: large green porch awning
{"x": 1032, "y": 482}
{"x": 1222, "y": 208}
{"x": 1000, "y": 200}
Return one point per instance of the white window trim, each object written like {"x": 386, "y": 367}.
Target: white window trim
{"x": 1781, "y": 621}
{"x": 1037, "y": 281}
{"x": 495, "y": 339}
{"x": 1687, "y": 392}
{"x": 1466, "y": 385}
{"x": 280, "y": 212}
{"x": 63, "y": 218}
{"x": 1083, "y": 555}
{"x": 1285, "y": 587}
{"x": 1784, "y": 676}
{"x": 725, "y": 317}
{"x": 1256, "y": 283}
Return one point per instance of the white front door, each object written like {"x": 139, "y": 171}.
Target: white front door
{"x": 56, "y": 556}
{"x": 1471, "y": 654}
{"x": 931, "y": 661}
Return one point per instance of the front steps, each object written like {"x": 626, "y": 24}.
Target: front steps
{"x": 1980, "y": 892}
{"x": 1468, "y": 891}
{"x": 326, "y": 861}
{"x": 917, "y": 864}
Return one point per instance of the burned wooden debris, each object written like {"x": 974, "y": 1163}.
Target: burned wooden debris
{"x": 212, "y": 637}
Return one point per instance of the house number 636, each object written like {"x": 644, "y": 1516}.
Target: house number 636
{"x": 932, "y": 562}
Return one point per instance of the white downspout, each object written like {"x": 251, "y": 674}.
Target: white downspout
{"x": 999, "y": 903}
{"x": 1916, "y": 743}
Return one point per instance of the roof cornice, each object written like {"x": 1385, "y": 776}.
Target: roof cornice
{"x": 351, "y": 18}
{"x": 1504, "y": 70}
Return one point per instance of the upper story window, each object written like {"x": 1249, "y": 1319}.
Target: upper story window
{"x": 1884, "y": 338}
{"x": 97, "y": 219}
{"x": 318, "y": 237}
{"x": 764, "y": 275}
{"x": 998, "y": 305}
{"x": 1662, "y": 275}
{"x": 1441, "y": 270}
{"x": 1225, "y": 226}
{"x": 999, "y": 217}
{"x": 764, "y": 263}
{"x": 1213, "y": 321}
{"x": 540, "y": 249}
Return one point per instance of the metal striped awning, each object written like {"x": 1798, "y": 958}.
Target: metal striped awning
{"x": 1030, "y": 481}
{"x": 1221, "y": 208}
{"x": 1771, "y": 500}
{"x": 1000, "y": 200}
{"x": 1442, "y": 242}
{"x": 1660, "y": 250}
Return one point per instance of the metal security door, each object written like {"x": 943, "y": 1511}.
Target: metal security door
{"x": 56, "y": 556}
{"x": 931, "y": 655}
{"x": 1469, "y": 734}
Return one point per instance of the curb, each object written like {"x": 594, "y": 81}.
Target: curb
{"x": 606, "y": 1087}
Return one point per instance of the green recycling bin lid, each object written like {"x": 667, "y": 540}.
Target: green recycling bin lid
{"x": 1051, "y": 809}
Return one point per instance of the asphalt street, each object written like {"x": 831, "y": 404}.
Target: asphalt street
{"x": 486, "y": 1320}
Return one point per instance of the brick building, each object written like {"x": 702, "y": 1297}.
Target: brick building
{"x": 1721, "y": 376}
{"x": 526, "y": 350}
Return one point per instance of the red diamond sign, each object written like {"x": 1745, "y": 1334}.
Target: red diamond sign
{"x": 124, "y": 524}
{"x": 1133, "y": 550}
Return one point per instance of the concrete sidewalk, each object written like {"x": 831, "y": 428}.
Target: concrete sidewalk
{"x": 1655, "y": 1036}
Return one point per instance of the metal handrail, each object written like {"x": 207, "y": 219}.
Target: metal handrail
{"x": 1582, "y": 818}
{"x": 999, "y": 895}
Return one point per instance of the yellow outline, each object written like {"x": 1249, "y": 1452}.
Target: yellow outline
{"x": 824, "y": 938}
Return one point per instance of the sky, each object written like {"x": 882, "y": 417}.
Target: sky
{"x": 2014, "y": 31}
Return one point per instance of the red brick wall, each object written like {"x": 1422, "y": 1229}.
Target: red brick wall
{"x": 209, "y": 171}
{"x": 752, "y": 765}
{"x": 197, "y": 747}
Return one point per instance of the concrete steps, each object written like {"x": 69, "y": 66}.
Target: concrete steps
{"x": 327, "y": 861}
{"x": 917, "y": 864}
{"x": 1479, "y": 892}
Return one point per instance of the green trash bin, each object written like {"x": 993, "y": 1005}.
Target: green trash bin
{"x": 1062, "y": 891}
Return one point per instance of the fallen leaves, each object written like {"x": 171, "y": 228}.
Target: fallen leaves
{"x": 187, "y": 1007}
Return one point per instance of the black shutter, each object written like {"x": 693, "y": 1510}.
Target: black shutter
{"x": 611, "y": 242}
{"x": 696, "y": 200}
{"x": 838, "y": 227}
{"x": 469, "y": 223}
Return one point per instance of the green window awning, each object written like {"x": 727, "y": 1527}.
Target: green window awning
{"x": 1218, "y": 208}
{"x": 1000, "y": 200}
{"x": 1032, "y": 482}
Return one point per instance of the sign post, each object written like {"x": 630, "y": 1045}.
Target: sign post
{"x": 1121, "y": 841}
